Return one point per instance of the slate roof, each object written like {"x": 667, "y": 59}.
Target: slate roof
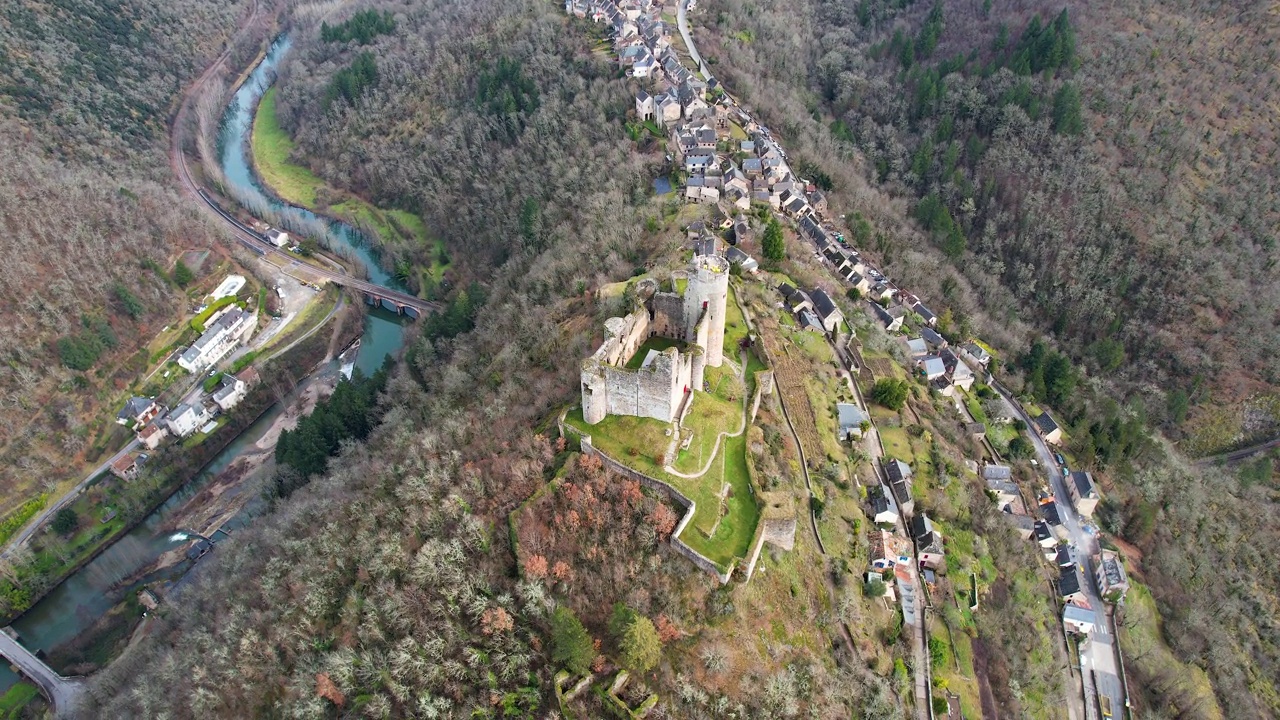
{"x": 1065, "y": 557}
{"x": 1042, "y": 531}
{"x": 1084, "y": 484}
{"x": 850, "y": 415}
{"x": 1070, "y": 582}
{"x": 880, "y": 504}
{"x": 134, "y": 407}
{"x": 1046, "y": 423}
{"x": 897, "y": 470}
{"x": 1050, "y": 512}
{"x": 997, "y": 472}
{"x": 934, "y": 367}
{"x": 822, "y": 303}
{"x": 705, "y": 245}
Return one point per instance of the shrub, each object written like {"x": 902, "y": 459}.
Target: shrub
{"x": 891, "y": 393}
{"x": 182, "y": 275}
{"x": 874, "y": 588}
{"x": 65, "y": 521}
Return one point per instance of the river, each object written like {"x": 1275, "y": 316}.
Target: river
{"x": 88, "y": 594}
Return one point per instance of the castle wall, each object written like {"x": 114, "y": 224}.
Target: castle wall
{"x": 668, "y": 316}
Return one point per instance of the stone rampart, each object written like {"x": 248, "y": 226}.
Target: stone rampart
{"x": 659, "y": 486}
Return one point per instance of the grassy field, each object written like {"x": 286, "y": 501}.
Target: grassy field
{"x": 271, "y": 149}
{"x": 733, "y": 536}
{"x": 638, "y": 442}
{"x": 735, "y": 326}
{"x": 654, "y": 343}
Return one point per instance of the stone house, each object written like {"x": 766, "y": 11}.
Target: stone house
{"x": 916, "y": 348}
{"x": 152, "y": 435}
{"x": 1071, "y": 586}
{"x": 125, "y": 467}
{"x": 827, "y": 311}
{"x": 736, "y": 256}
{"x": 1083, "y": 491}
{"x": 934, "y": 340}
{"x": 1079, "y": 620}
{"x": 976, "y": 353}
{"x": 888, "y": 550}
{"x": 138, "y": 411}
{"x": 898, "y": 477}
{"x": 929, "y": 548}
{"x": 644, "y": 106}
{"x": 1113, "y": 581}
{"x": 888, "y": 322}
{"x": 883, "y": 511}
{"x": 1048, "y": 428}
{"x": 850, "y": 419}
{"x": 932, "y": 367}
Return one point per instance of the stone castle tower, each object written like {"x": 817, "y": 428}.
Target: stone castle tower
{"x": 708, "y": 290}
{"x": 657, "y": 389}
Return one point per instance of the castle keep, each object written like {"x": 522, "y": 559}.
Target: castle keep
{"x": 658, "y": 388}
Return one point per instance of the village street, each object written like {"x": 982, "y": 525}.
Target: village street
{"x": 1097, "y": 653}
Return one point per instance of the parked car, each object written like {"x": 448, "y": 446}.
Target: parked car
{"x": 1061, "y": 460}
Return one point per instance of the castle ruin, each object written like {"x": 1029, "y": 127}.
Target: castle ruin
{"x": 657, "y": 389}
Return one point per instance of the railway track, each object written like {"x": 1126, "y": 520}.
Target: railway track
{"x": 250, "y": 238}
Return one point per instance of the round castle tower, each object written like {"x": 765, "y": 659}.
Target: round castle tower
{"x": 708, "y": 288}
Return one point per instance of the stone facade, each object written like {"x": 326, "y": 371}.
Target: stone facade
{"x": 658, "y": 390}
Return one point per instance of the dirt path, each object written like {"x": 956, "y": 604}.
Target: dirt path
{"x": 987, "y": 697}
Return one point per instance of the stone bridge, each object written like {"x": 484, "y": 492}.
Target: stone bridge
{"x": 63, "y": 693}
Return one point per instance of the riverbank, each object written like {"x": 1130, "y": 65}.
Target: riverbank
{"x": 200, "y": 516}
{"x": 271, "y": 149}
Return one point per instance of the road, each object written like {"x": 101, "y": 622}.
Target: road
{"x": 682, "y": 19}
{"x": 63, "y": 693}
{"x": 66, "y": 499}
{"x": 1098, "y": 652}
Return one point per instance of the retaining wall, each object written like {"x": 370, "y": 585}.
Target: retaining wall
{"x": 657, "y": 485}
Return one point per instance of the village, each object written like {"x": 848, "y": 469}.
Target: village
{"x": 645, "y": 384}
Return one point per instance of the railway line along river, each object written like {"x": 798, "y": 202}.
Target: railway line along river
{"x": 88, "y": 594}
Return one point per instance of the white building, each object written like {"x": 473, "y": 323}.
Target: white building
{"x": 230, "y": 392}
{"x": 221, "y": 336}
{"x": 279, "y": 238}
{"x": 186, "y": 418}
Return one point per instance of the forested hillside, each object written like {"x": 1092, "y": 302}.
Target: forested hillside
{"x": 91, "y": 222}
{"x": 1102, "y": 175}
